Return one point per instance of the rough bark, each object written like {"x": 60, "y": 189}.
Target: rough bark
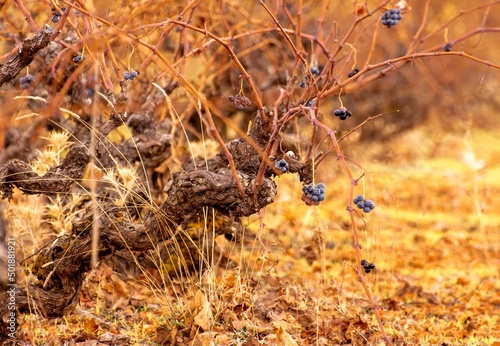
{"x": 26, "y": 54}
{"x": 60, "y": 266}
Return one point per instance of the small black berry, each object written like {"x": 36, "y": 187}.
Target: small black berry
{"x": 315, "y": 71}
{"x": 282, "y": 165}
{"x": 56, "y": 14}
{"x": 358, "y": 198}
{"x": 369, "y": 203}
{"x": 78, "y": 58}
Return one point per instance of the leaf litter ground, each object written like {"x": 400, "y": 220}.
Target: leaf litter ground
{"x": 434, "y": 238}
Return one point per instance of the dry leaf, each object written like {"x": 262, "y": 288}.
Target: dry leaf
{"x": 285, "y": 339}
{"x": 202, "y": 311}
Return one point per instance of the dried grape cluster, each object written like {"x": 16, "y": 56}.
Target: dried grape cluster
{"x": 240, "y": 101}
{"x": 342, "y": 113}
{"x": 26, "y": 81}
{"x": 368, "y": 267}
{"x": 282, "y": 165}
{"x": 353, "y": 72}
{"x": 130, "y": 75}
{"x": 366, "y": 205}
{"x": 313, "y": 194}
{"x": 392, "y": 17}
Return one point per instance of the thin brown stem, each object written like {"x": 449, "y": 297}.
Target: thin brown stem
{"x": 27, "y": 15}
{"x": 357, "y": 247}
{"x": 414, "y": 43}
{"x": 248, "y": 78}
{"x": 285, "y": 34}
{"x": 460, "y": 14}
{"x": 393, "y": 64}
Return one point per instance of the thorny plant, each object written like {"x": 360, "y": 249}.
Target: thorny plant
{"x": 102, "y": 65}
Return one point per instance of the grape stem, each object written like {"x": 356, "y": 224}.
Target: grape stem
{"x": 310, "y": 114}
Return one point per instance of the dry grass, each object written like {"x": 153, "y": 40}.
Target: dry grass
{"x": 437, "y": 259}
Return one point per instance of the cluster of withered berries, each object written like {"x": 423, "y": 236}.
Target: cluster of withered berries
{"x": 367, "y": 266}
{"x": 26, "y": 81}
{"x": 342, "y": 113}
{"x": 313, "y": 194}
{"x": 392, "y": 17}
{"x": 240, "y": 101}
{"x": 353, "y": 72}
{"x": 366, "y": 205}
{"x": 130, "y": 75}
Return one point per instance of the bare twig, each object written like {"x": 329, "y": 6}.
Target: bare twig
{"x": 27, "y": 15}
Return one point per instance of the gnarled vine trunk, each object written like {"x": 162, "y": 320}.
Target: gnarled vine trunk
{"x": 60, "y": 267}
